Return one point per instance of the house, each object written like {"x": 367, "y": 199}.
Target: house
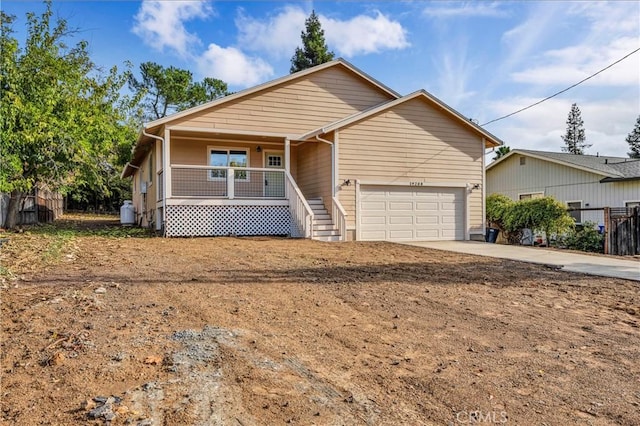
{"x": 589, "y": 182}
{"x": 327, "y": 153}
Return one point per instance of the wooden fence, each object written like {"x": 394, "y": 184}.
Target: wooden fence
{"x": 39, "y": 206}
{"x": 622, "y": 230}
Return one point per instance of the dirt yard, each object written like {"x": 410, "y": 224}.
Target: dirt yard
{"x": 101, "y": 327}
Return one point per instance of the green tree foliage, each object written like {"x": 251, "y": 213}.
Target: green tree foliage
{"x": 165, "y": 90}
{"x": 545, "y": 214}
{"x": 633, "y": 139}
{"x": 61, "y": 118}
{"x": 574, "y": 139}
{"x": 501, "y": 152}
{"x": 314, "y": 50}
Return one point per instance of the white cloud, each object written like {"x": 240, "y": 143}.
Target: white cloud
{"x": 161, "y": 23}
{"x": 233, "y": 66}
{"x": 465, "y": 10}
{"x": 605, "y": 33}
{"x": 454, "y": 72}
{"x": 364, "y": 34}
{"x": 277, "y": 36}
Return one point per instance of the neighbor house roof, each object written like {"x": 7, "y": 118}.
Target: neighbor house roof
{"x": 612, "y": 168}
{"x": 492, "y": 141}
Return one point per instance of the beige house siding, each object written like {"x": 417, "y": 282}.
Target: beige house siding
{"x": 411, "y": 142}
{"x": 314, "y": 178}
{"x": 145, "y": 204}
{"x": 294, "y": 107}
{"x": 563, "y": 183}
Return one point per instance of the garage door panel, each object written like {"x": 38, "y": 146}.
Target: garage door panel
{"x": 421, "y": 206}
{"x": 401, "y": 206}
{"x": 374, "y": 220}
{"x": 374, "y": 205}
{"x": 427, "y": 234}
{"x": 427, "y": 220}
{"x": 401, "y": 234}
{"x": 400, "y": 220}
{"x": 403, "y": 214}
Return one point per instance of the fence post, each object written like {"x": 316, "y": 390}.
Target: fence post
{"x": 607, "y": 229}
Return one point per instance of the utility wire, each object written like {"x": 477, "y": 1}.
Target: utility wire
{"x": 562, "y": 91}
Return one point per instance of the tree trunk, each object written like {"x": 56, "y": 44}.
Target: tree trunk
{"x": 13, "y": 209}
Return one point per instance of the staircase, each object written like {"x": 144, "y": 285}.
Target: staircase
{"x": 323, "y": 227}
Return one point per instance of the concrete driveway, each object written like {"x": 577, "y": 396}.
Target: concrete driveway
{"x": 605, "y": 266}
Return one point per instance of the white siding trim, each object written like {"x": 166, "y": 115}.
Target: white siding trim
{"x": 224, "y": 202}
{"x": 412, "y": 183}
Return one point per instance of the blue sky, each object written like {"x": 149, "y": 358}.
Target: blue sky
{"x": 484, "y": 58}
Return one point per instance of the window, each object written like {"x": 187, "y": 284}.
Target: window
{"x": 523, "y": 161}
{"x": 531, "y": 195}
{"x": 575, "y": 214}
{"x": 228, "y": 158}
{"x": 274, "y": 161}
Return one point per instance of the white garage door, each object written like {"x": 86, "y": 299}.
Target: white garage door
{"x": 396, "y": 213}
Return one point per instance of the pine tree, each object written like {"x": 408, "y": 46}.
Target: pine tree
{"x": 633, "y": 139}
{"x": 501, "y": 152}
{"x": 574, "y": 139}
{"x": 314, "y": 50}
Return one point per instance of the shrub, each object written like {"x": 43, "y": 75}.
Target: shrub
{"x": 585, "y": 239}
{"x": 539, "y": 214}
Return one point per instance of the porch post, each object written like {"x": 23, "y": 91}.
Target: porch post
{"x": 287, "y": 155}
{"x": 166, "y": 164}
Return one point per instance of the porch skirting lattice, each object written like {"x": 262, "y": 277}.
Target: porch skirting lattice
{"x": 206, "y": 221}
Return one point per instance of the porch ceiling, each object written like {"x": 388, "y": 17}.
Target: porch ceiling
{"x": 231, "y": 135}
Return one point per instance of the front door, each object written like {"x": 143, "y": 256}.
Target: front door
{"x": 274, "y": 181}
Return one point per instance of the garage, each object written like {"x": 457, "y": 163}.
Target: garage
{"x": 403, "y": 213}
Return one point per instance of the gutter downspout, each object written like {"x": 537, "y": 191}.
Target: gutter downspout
{"x": 164, "y": 175}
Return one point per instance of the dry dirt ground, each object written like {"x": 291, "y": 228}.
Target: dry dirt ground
{"x": 103, "y": 328}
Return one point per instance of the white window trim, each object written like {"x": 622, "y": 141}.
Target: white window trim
{"x": 530, "y": 193}
{"x": 227, "y": 148}
{"x": 581, "y": 206}
{"x": 265, "y": 155}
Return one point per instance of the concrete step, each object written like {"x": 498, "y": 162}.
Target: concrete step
{"x": 328, "y": 238}
{"x": 323, "y": 227}
{"x": 325, "y": 233}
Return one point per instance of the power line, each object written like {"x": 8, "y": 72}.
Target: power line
{"x": 562, "y": 91}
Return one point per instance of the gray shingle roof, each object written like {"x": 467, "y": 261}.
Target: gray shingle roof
{"x": 612, "y": 167}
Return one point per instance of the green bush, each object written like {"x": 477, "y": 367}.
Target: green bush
{"x": 585, "y": 239}
{"x": 545, "y": 214}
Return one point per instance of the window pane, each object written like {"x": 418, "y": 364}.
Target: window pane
{"x": 237, "y": 159}
{"x": 218, "y": 158}
{"x": 576, "y": 214}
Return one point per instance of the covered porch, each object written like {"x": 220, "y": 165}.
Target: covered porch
{"x": 214, "y": 182}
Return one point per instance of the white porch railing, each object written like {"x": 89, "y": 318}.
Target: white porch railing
{"x": 339, "y": 216}
{"x": 300, "y": 209}
{"x": 189, "y": 181}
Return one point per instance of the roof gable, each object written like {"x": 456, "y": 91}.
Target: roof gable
{"x": 610, "y": 167}
{"x": 491, "y": 140}
{"x": 338, "y": 63}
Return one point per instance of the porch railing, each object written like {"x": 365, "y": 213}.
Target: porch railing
{"x": 227, "y": 182}
{"x": 339, "y": 216}
{"x": 300, "y": 209}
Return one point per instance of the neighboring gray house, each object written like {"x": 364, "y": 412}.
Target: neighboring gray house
{"x": 579, "y": 181}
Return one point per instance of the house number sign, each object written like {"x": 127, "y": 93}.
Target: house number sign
{"x": 416, "y": 183}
